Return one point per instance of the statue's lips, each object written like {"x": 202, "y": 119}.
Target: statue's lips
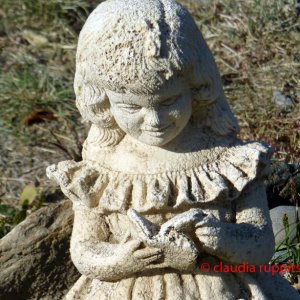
{"x": 156, "y": 131}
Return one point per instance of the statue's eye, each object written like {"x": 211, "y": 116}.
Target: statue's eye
{"x": 170, "y": 101}
{"x": 130, "y": 107}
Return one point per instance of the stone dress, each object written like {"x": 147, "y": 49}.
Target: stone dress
{"x": 213, "y": 179}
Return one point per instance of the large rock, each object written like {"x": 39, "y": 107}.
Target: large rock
{"x": 34, "y": 257}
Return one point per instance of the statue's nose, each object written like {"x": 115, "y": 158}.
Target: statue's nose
{"x": 152, "y": 119}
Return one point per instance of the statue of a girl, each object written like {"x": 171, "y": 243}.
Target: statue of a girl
{"x": 164, "y": 185}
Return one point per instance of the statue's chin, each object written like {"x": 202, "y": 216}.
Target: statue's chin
{"x": 157, "y": 141}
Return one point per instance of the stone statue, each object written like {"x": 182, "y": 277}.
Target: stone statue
{"x": 164, "y": 185}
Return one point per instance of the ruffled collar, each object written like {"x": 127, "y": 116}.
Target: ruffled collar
{"x": 222, "y": 177}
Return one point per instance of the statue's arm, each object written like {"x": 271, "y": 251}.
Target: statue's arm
{"x": 95, "y": 257}
{"x": 91, "y": 251}
{"x": 250, "y": 239}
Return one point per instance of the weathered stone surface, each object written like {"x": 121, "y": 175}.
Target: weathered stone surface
{"x": 34, "y": 257}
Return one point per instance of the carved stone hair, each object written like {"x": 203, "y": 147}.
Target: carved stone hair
{"x": 136, "y": 46}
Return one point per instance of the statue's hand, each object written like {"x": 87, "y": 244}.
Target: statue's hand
{"x": 179, "y": 252}
{"x": 131, "y": 258}
{"x": 184, "y": 222}
{"x": 209, "y": 233}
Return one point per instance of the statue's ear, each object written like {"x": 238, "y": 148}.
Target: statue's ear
{"x": 205, "y": 94}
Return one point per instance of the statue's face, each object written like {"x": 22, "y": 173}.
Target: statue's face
{"x": 153, "y": 119}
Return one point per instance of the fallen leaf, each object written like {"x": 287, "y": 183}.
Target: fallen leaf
{"x": 29, "y": 195}
{"x": 38, "y": 116}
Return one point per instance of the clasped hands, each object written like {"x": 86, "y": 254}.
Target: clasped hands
{"x": 168, "y": 246}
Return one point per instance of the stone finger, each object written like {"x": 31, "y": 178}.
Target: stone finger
{"x": 146, "y": 253}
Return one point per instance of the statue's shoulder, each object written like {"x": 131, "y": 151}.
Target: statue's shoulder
{"x": 252, "y": 156}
